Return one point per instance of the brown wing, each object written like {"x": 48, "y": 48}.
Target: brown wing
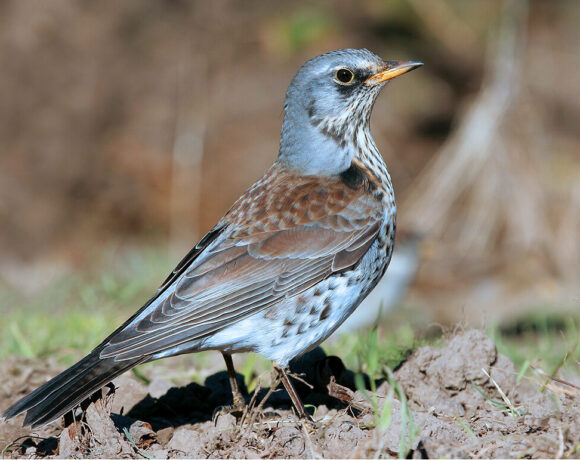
{"x": 283, "y": 236}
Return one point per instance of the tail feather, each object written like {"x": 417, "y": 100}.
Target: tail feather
{"x": 68, "y": 389}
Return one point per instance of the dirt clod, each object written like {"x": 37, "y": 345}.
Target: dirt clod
{"x": 444, "y": 380}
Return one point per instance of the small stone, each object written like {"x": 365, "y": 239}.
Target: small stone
{"x": 142, "y": 434}
{"x": 184, "y": 440}
{"x": 164, "y": 435}
{"x": 321, "y": 411}
{"x": 225, "y": 422}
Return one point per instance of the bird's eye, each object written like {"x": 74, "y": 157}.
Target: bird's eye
{"x": 344, "y": 76}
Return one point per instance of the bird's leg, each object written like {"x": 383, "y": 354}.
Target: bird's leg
{"x": 239, "y": 402}
{"x": 293, "y": 394}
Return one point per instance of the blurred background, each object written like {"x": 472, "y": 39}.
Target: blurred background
{"x": 127, "y": 129}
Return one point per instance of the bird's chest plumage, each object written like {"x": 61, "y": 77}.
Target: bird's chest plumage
{"x": 301, "y": 323}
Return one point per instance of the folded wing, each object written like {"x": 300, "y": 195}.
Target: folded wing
{"x": 258, "y": 255}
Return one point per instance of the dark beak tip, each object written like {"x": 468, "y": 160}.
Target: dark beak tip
{"x": 413, "y": 64}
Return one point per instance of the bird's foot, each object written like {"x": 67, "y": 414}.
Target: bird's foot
{"x": 237, "y": 409}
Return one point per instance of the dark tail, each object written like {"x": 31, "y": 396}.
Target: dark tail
{"x": 67, "y": 390}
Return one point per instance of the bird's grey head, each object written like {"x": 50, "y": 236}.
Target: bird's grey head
{"x": 328, "y": 107}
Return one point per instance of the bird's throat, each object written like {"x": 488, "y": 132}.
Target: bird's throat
{"x": 312, "y": 151}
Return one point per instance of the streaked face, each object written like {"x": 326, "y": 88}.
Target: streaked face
{"x": 342, "y": 86}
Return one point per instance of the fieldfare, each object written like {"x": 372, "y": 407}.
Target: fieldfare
{"x": 287, "y": 264}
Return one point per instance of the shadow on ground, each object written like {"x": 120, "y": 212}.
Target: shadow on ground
{"x": 195, "y": 403}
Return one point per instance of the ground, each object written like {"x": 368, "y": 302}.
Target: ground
{"x": 461, "y": 399}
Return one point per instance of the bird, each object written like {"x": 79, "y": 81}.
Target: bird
{"x": 290, "y": 260}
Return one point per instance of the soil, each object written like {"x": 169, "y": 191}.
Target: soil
{"x": 453, "y": 407}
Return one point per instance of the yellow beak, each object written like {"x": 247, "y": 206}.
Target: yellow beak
{"x": 392, "y": 69}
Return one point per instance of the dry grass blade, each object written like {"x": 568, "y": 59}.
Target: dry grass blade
{"x": 348, "y": 396}
{"x": 508, "y": 403}
{"x": 555, "y": 379}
